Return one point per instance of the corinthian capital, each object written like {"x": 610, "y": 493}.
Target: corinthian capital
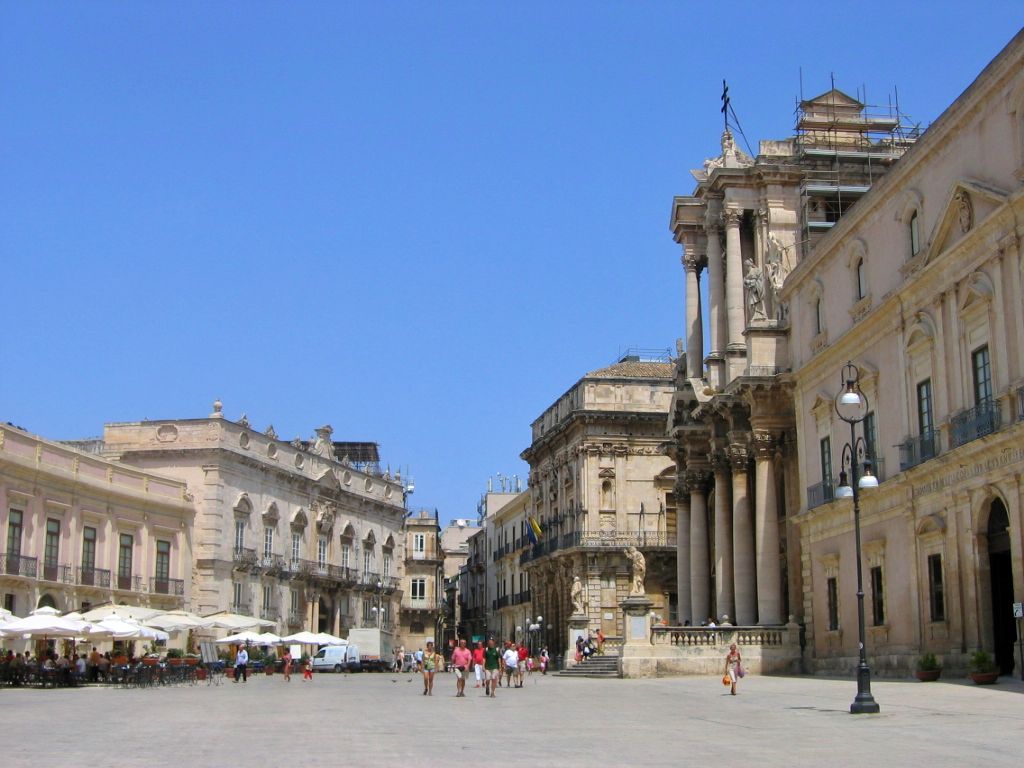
{"x": 691, "y": 262}
{"x": 732, "y": 216}
{"x": 739, "y": 457}
{"x": 764, "y": 444}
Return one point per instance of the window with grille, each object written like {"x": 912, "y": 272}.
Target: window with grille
{"x": 296, "y": 546}
{"x": 832, "y": 585}
{"x": 877, "y": 597}
{"x": 936, "y": 598}
{"x": 982, "y": 369}
{"x": 924, "y": 407}
{"x": 268, "y": 542}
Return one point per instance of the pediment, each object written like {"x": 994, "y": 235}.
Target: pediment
{"x": 968, "y": 204}
{"x": 831, "y": 98}
{"x": 606, "y": 473}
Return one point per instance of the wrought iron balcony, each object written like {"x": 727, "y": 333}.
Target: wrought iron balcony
{"x": 503, "y": 601}
{"x": 370, "y": 579}
{"x": 94, "y": 577}
{"x": 242, "y": 608}
{"x": 59, "y": 573}
{"x": 521, "y": 597}
{"x": 391, "y": 583}
{"x": 128, "y": 583}
{"x": 160, "y": 585}
{"x": 18, "y": 565}
{"x": 916, "y": 450}
{"x": 295, "y": 619}
{"x": 244, "y": 558}
{"x": 271, "y": 563}
{"x": 983, "y": 419}
{"x": 820, "y": 493}
{"x": 270, "y": 613}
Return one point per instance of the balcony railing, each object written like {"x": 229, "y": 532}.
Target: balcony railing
{"x": 296, "y": 619}
{"x": 391, "y": 583}
{"x": 270, "y": 613}
{"x": 59, "y": 573}
{"x": 370, "y": 579}
{"x": 160, "y": 585}
{"x": 128, "y": 583}
{"x": 983, "y": 419}
{"x": 244, "y": 557}
{"x": 94, "y": 577}
{"x": 916, "y": 450}
{"x": 242, "y": 608}
{"x": 596, "y": 540}
{"x": 820, "y": 493}
{"x": 521, "y": 597}
{"x": 271, "y": 563}
{"x": 18, "y": 565}
{"x": 503, "y": 601}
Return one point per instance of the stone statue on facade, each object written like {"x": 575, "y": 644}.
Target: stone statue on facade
{"x": 753, "y": 281}
{"x": 578, "y": 596}
{"x": 639, "y": 566}
{"x": 323, "y": 446}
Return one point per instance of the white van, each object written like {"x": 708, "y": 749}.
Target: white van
{"x": 336, "y": 658}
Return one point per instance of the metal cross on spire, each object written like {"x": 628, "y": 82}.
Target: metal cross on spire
{"x": 725, "y": 104}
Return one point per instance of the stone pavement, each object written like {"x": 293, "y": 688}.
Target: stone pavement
{"x": 383, "y": 720}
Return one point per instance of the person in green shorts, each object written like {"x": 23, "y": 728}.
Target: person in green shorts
{"x": 492, "y": 668}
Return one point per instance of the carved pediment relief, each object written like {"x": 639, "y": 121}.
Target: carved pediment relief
{"x": 329, "y": 480}
{"x": 968, "y": 204}
{"x": 299, "y": 520}
{"x": 324, "y": 512}
{"x": 606, "y": 473}
{"x": 271, "y": 516}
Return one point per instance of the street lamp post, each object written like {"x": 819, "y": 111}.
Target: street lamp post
{"x": 852, "y": 407}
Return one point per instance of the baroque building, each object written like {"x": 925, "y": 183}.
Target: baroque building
{"x": 920, "y": 285}
{"x": 423, "y": 598}
{"x": 600, "y": 484}
{"x": 80, "y": 530}
{"x": 748, "y": 224}
{"x": 306, "y": 534}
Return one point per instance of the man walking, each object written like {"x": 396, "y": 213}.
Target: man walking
{"x": 492, "y": 668}
{"x": 242, "y": 664}
{"x": 511, "y": 661}
{"x": 462, "y": 658}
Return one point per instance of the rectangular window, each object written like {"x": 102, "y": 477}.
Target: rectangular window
{"x": 982, "y": 370}
{"x": 88, "y": 548}
{"x": 14, "y": 523}
{"x": 267, "y": 598}
{"x": 346, "y": 555}
{"x": 862, "y": 283}
{"x": 877, "y": 597}
{"x": 296, "y": 546}
{"x": 124, "y": 561}
{"x": 51, "y": 552}
{"x": 387, "y": 564}
{"x": 419, "y": 589}
{"x": 321, "y": 551}
{"x": 915, "y": 235}
{"x": 871, "y": 437}
{"x": 367, "y": 560}
{"x": 239, "y": 535}
{"x": 9, "y": 602}
{"x": 419, "y": 545}
{"x": 268, "y": 542}
{"x": 236, "y": 595}
{"x": 819, "y": 324}
{"x": 936, "y": 600}
{"x": 924, "y": 407}
{"x": 825, "y": 449}
{"x": 295, "y": 601}
{"x": 832, "y": 584}
{"x": 163, "y": 560}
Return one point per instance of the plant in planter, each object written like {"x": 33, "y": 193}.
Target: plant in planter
{"x": 928, "y": 668}
{"x": 983, "y": 669}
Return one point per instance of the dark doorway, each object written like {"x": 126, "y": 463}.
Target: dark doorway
{"x": 1001, "y": 568}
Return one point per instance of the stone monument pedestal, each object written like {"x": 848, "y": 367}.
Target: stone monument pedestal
{"x": 636, "y": 659}
{"x": 577, "y": 628}
{"x": 766, "y": 347}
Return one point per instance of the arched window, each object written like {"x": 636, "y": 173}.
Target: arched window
{"x": 915, "y": 235}
{"x": 819, "y": 320}
{"x": 862, "y": 280}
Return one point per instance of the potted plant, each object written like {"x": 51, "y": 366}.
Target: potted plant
{"x": 928, "y": 668}
{"x": 983, "y": 669}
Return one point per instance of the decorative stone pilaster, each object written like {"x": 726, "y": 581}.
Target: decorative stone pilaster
{"x": 742, "y": 537}
{"x": 734, "y": 278}
{"x": 694, "y": 326}
{"x": 766, "y": 535}
{"x": 700, "y": 568}
{"x": 683, "y": 550}
{"x": 724, "y": 588}
{"x": 716, "y": 286}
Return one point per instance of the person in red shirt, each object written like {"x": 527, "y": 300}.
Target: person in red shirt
{"x": 478, "y": 663}
{"x": 462, "y": 657}
{"x": 524, "y": 654}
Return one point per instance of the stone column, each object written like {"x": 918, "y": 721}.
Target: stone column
{"x": 700, "y": 570}
{"x": 742, "y": 538}
{"x": 724, "y": 591}
{"x": 734, "y": 278}
{"x": 694, "y": 326}
{"x": 769, "y": 588}
{"x": 684, "y": 608}
{"x": 716, "y": 289}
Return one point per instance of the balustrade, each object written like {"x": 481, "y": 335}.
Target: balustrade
{"x": 18, "y": 565}
{"x": 161, "y": 585}
{"x": 697, "y": 637}
{"x": 93, "y": 577}
{"x": 59, "y": 573}
{"x": 983, "y": 419}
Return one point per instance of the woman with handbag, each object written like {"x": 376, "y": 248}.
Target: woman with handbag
{"x": 733, "y": 667}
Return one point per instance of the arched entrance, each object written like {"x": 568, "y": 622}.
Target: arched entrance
{"x": 46, "y": 601}
{"x": 1001, "y": 586}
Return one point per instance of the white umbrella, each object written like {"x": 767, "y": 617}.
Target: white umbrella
{"x": 136, "y": 612}
{"x": 241, "y": 637}
{"x": 5, "y": 615}
{"x": 303, "y": 638}
{"x": 125, "y": 629}
{"x": 267, "y": 638}
{"x": 44, "y": 625}
{"x": 173, "y": 621}
{"x": 328, "y": 639}
{"x": 227, "y": 620}
{"x": 45, "y": 610}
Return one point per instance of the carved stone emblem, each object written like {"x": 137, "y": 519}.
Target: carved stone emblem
{"x": 965, "y": 211}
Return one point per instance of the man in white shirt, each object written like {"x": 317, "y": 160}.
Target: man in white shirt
{"x": 510, "y": 658}
{"x": 242, "y": 665}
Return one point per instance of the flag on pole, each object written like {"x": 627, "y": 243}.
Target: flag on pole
{"x": 534, "y": 531}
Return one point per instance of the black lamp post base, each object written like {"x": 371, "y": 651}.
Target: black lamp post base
{"x": 864, "y": 705}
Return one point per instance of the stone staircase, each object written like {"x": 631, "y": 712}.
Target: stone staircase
{"x": 603, "y": 666}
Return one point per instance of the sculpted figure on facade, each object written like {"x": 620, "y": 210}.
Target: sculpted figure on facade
{"x": 578, "y": 596}
{"x": 639, "y": 566}
{"x": 322, "y": 446}
{"x": 753, "y": 281}
{"x": 965, "y": 211}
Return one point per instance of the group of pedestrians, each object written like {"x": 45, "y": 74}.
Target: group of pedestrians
{"x": 489, "y": 665}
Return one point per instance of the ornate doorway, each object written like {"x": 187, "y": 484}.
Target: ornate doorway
{"x": 1004, "y": 633}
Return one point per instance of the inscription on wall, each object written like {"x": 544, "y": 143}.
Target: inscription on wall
{"x": 1006, "y": 457}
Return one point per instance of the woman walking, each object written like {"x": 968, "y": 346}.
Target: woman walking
{"x": 431, "y": 661}
{"x": 733, "y": 666}
{"x": 287, "y": 666}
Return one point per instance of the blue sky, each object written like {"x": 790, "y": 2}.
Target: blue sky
{"x": 419, "y": 222}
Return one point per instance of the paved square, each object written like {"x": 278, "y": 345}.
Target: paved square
{"x": 384, "y": 720}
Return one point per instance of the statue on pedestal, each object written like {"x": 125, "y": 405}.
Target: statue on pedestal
{"x": 578, "y": 596}
{"x": 639, "y": 564}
